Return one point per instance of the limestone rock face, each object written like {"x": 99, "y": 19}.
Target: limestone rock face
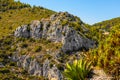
{"x": 35, "y": 68}
{"x": 75, "y": 42}
{"x": 62, "y": 28}
{"x": 36, "y": 29}
{"x": 58, "y": 29}
{"x": 54, "y": 74}
{"x": 46, "y": 67}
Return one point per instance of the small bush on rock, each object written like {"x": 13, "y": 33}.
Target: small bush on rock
{"x": 37, "y": 49}
{"x": 24, "y": 45}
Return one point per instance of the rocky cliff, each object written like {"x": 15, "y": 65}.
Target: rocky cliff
{"x": 61, "y": 28}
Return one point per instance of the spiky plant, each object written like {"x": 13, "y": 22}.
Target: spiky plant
{"x": 78, "y": 70}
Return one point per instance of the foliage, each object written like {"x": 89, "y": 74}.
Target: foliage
{"x": 14, "y": 13}
{"x": 65, "y": 22}
{"x": 11, "y": 18}
{"x": 23, "y": 45}
{"x": 97, "y": 30}
{"x": 108, "y": 23}
{"x": 107, "y": 55}
{"x": 78, "y": 70}
{"x": 11, "y": 4}
{"x": 37, "y": 49}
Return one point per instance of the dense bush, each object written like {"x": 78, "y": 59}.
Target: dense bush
{"x": 107, "y": 55}
{"x": 0, "y": 17}
{"x": 24, "y": 45}
{"x": 11, "y": 4}
{"x": 4, "y": 70}
{"x": 7, "y": 41}
{"x": 37, "y": 49}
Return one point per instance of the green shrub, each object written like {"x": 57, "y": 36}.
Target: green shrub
{"x": 107, "y": 55}
{"x": 24, "y": 45}
{"x": 13, "y": 49}
{"x": 0, "y": 17}
{"x": 31, "y": 40}
{"x": 12, "y": 64}
{"x": 78, "y": 70}
{"x": 4, "y": 70}
{"x": 20, "y": 39}
{"x": 37, "y": 49}
{"x": 8, "y": 41}
{"x": 65, "y": 22}
{"x": 23, "y": 52}
{"x": 60, "y": 67}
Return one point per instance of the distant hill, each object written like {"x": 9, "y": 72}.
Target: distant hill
{"x": 107, "y": 55}
{"x": 104, "y": 27}
{"x": 108, "y": 23}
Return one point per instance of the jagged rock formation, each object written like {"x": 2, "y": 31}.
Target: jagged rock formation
{"x": 59, "y": 28}
{"x": 34, "y": 67}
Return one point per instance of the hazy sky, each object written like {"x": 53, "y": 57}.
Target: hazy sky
{"x": 90, "y": 11}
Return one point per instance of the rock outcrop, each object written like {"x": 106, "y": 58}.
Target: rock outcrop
{"x": 54, "y": 74}
{"x": 22, "y": 31}
{"x": 33, "y": 67}
{"x": 1, "y": 65}
{"x": 59, "y": 28}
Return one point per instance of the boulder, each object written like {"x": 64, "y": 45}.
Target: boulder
{"x": 54, "y": 74}
{"x": 46, "y": 68}
{"x": 74, "y": 42}
{"x": 26, "y": 62}
{"x": 36, "y": 29}
{"x": 22, "y": 31}
{"x": 35, "y": 68}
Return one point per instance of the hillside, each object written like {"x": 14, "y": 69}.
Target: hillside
{"x": 39, "y": 44}
{"x": 107, "y": 55}
{"x": 34, "y": 40}
{"x": 108, "y": 23}
{"x": 99, "y": 31}
{"x": 13, "y": 14}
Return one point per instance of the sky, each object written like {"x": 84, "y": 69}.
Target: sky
{"x": 89, "y": 11}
